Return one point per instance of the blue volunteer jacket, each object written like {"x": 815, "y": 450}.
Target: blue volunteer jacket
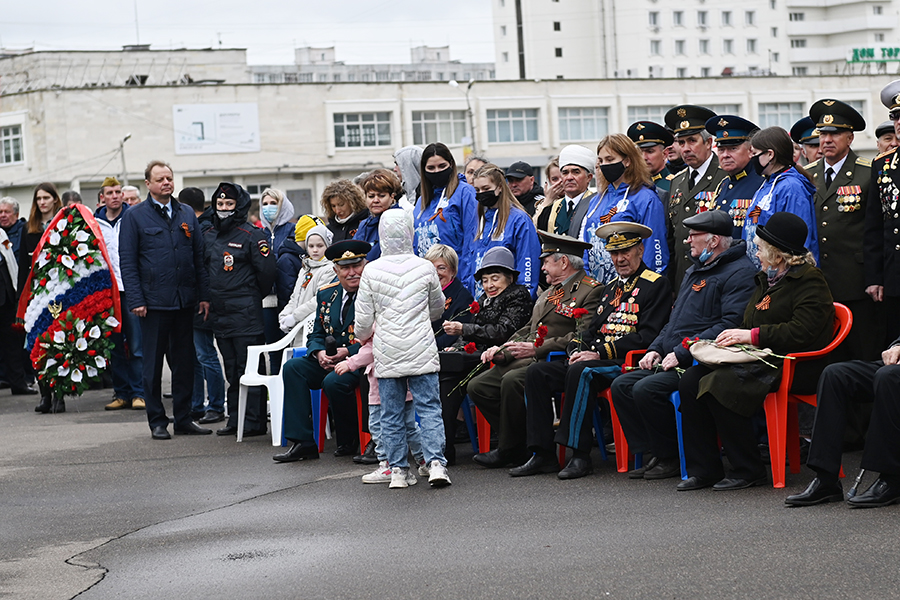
{"x": 519, "y": 237}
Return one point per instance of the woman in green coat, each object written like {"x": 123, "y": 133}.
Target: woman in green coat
{"x": 790, "y": 311}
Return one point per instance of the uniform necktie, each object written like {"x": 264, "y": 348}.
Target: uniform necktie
{"x": 346, "y": 309}
{"x": 693, "y": 180}
{"x": 571, "y": 209}
{"x": 164, "y": 213}
{"x": 829, "y": 177}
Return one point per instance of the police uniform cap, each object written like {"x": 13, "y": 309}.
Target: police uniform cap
{"x": 834, "y": 115}
{"x": 519, "y": 170}
{"x": 227, "y": 190}
{"x": 730, "y": 130}
{"x": 621, "y": 235}
{"x": 688, "y": 119}
{"x": 804, "y": 132}
{"x": 348, "y": 252}
{"x": 552, "y": 243}
{"x": 647, "y": 133}
{"x": 717, "y": 222}
{"x": 886, "y": 127}
{"x": 890, "y": 95}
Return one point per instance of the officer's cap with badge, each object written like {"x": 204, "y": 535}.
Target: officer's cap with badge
{"x": 552, "y": 243}
{"x": 622, "y": 235}
{"x": 229, "y": 190}
{"x": 647, "y": 134}
{"x": 833, "y": 115}
{"x": 717, "y": 222}
{"x": 804, "y": 132}
{"x": 730, "y": 130}
{"x": 348, "y": 252}
{"x": 688, "y": 119}
{"x": 890, "y": 95}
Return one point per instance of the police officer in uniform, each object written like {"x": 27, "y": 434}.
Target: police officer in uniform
{"x": 331, "y": 341}
{"x": 735, "y": 192}
{"x": 653, "y": 139}
{"x": 633, "y": 309}
{"x": 804, "y": 132}
{"x": 241, "y": 268}
{"x": 693, "y": 189}
{"x": 842, "y": 188}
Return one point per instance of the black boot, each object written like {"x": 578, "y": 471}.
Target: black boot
{"x": 46, "y": 401}
{"x": 59, "y": 404}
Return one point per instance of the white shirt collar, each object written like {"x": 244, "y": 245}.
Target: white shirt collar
{"x": 701, "y": 171}
{"x": 836, "y": 166}
{"x": 165, "y": 207}
{"x": 576, "y": 199}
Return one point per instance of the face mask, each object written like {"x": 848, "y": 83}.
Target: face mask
{"x": 771, "y": 272}
{"x": 756, "y": 166}
{"x": 270, "y": 211}
{"x": 704, "y": 256}
{"x": 438, "y": 179}
{"x": 488, "y": 198}
{"x": 224, "y": 214}
{"x": 612, "y": 171}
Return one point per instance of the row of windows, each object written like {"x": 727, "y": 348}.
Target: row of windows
{"x": 373, "y": 76}
{"x": 703, "y": 46}
{"x": 725, "y": 18}
{"x": 585, "y": 124}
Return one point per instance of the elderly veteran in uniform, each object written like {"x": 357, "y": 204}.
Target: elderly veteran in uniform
{"x": 499, "y": 392}
{"x": 713, "y": 297}
{"x": 331, "y": 341}
{"x": 693, "y": 189}
{"x": 633, "y": 309}
{"x": 790, "y": 311}
{"x": 653, "y": 139}
{"x": 842, "y": 189}
{"x": 804, "y": 132}
{"x": 885, "y": 138}
{"x": 576, "y": 165}
{"x": 735, "y": 192}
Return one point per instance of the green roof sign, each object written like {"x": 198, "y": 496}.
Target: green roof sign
{"x": 872, "y": 54}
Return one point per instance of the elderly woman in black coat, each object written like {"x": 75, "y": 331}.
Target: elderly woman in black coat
{"x": 503, "y": 309}
{"x": 791, "y": 310}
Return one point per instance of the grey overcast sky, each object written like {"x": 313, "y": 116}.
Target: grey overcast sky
{"x": 363, "y": 31}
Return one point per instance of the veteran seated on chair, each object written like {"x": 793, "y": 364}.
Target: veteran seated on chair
{"x": 331, "y": 341}
{"x": 633, "y": 309}
{"x": 558, "y": 313}
{"x": 712, "y": 298}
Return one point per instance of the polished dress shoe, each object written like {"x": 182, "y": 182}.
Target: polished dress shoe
{"x": 817, "y": 492}
{"x": 345, "y": 451}
{"x": 227, "y": 430}
{"x": 211, "y": 416}
{"x": 160, "y": 433}
{"x": 192, "y": 429}
{"x": 729, "y": 484}
{"x": 695, "y": 483}
{"x": 255, "y": 432}
{"x": 664, "y": 469}
{"x": 497, "y": 458}
{"x": 368, "y": 456}
{"x": 23, "y": 391}
{"x": 537, "y": 464}
{"x": 298, "y": 451}
{"x": 639, "y": 472}
{"x": 576, "y": 467}
{"x": 880, "y": 493}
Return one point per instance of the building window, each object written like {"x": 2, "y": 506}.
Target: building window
{"x": 772, "y": 4}
{"x": 583, "y": 124}
{"x": 11, "y": 145}
{"x": 260, "y": 78}
{"x": 648, "y": 113}
{"x": 750, "y": 18}
{"x": 323, "y": 77}
{"x": 725, "y": 109}
{"x": 679, "y": 47}
{"x": 558, "y": 52}
{"x": 858, "y": 105}
{"x": 751, "y": 46}
{"x": 678, "y": 17}
{"x": 701, "y": 18}
{"x": 515, "y": 125}
{"x": 877, "y": 10}
{"x": 774, "y": 32}
{"x": 655, "y": 47}
{"x": 557, "y": 26}
{"x": 681, "y": 72}
{"x": 506, "y": 57}
{"x": 356, "y": 130}
{"x": 654, "y": 18}
{"x": 801, "y": 43}
{"x": 704, "y": 72}
{"x": 503, "y": 30}
{"x": 796, "y": 16}
{"x": 728, "y": 46}
{"x": 781, "y": 114}
{"x": 447, "y": 126}
{"x": 879, "y": 37}
{"x": 799, "y": 71}
{"x": 726, "y": 18}
{"x": 775, "y": 56}
{"x": 291, "y": 78}
{"x": 704, "y": 46}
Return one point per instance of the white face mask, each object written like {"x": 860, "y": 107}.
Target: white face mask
{"x": 224, "y": 214}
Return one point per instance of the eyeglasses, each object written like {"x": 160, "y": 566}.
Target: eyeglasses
{"x": 894, "y": 115}
{"x": 694, "y": 234}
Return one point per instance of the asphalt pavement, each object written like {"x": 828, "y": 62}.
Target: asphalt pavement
{"x": 93, "y": 507}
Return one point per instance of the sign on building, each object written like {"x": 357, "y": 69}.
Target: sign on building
{"x": 869, "y": 54}
{"x": 216, "y": 128}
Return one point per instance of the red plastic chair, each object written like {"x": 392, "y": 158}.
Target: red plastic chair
{"x": 781, "y": 406}
{"x": 623, "y": 458}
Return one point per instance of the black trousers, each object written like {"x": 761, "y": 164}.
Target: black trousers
{"x": 452, "y": 397}
{"x": 168, "y": 333}
{"x": 703, "y": 419}
{"x": 500, "y": 396}
{"x": 842, "y": 385}
{"x": 641, "y": 399}
{"x": 11, "y": 343}
{"x": 234, "y": 355}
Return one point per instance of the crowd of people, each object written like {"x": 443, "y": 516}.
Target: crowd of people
{"x": 669, "y": 246}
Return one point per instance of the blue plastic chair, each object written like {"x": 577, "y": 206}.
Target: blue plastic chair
{"x": 598, "y": 428}
{"x": 470, "y": 423}
{"x": 675, "y": 399}
{"x": 319, "y": 410}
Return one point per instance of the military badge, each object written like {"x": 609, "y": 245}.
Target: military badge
{"x": 263, "y": 247}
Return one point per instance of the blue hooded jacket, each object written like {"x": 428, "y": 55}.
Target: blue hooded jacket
{"x": 519, "y": 237}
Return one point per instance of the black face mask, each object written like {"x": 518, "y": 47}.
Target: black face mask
{"x": 612, "y": 171}
{"x": 488, "y": 198}
{"x": 754, "y": 164}
{"x": 438, "y": 179}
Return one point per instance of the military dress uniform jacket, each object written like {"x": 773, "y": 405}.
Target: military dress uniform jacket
{"x": 734, "y": 195}
{"x": 328, "y": 321}
{"x": 684, "y": 203}
{"x": 663, "y": 179}
{"x": 841, "y": 217}
{"x": 630, "y": 316}
{"x": 882, "y": 240}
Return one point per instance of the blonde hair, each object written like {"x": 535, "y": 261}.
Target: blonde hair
{"x": 775, "y": 256}
{"x": 505, "y": 204}
{"x": 347, "y": 190}
{"x": 444, "y": 253}
{"x": 637, "y": 173}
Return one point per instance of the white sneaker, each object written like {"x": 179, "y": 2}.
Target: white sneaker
{"x": 423, "y": 468}
{"x": 398, "y": 478}
{"x": 380, "y": 475}
{"x": 438, "y": 476}
{"x": 411, "y": 477}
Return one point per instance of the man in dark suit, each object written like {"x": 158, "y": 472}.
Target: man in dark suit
{"x": 11, "y": 341}
{"x": 694, "y": 186}
{"x": 331, "y": 341}
{"x": 161, "y": 259}
{"x": 577, "y": 165}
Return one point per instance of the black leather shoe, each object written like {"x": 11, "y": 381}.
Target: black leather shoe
{"x": 192, "y": 429}
{"x": 255, "y": 432}
{"x": 817, "y": 492}
{"x": 538, "y": 463}
{"x": 639, "y": 472}
{"x": 664, "y": 469}
{"x": 368, "y": 456}
{"x": 24, "y": 391}
{"x": 298, "y": 452}
{"x": 880, "y": 493}
{"x": 227, "y": 430}
{"x": 211, "y": 416}
{"x": 727, "y": 485}
{"x": 160, "y": 433}
{"x": 45, "y": 405}
{"x": 576, "y": 467}
{"x": 345, "y": 451}
{"x": 497, "y": 458}
{"x": 694, "y": 483}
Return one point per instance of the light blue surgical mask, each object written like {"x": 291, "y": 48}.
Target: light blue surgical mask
{"x": 704, "y": 256}
{"x": 270, "y": 211}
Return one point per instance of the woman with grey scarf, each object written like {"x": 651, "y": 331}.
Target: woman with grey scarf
{"x": 406, "y": 165}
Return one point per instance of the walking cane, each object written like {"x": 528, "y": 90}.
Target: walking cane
{"x": 859, "y": 477}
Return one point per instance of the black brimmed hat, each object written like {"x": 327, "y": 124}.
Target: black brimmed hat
{"x": 688, "y": 119}
{"x": 834, "y": 115}
{"x": 561, "y": 244}
{"x": 786, "y": 231}
{"x": 804, "y": 132}
{"x": 730, "y": 130}
{"x": 348, "y": 252}
{"x": 648, "y": 133}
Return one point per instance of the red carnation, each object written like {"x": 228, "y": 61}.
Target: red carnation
{"x": 90, "y": 260}
{"x": 474, "y": 307}
{"x": 65, "y": 365}
{"x": 58, "y": 356}
{"x": 542, "y": 331}
{"x": 92, "y": 352}
{"x": 74, "y": 243}
{"x": 95, "y": 243}
{"x": 63, "y": 233}
{"x": 70, "y": 218}
{"x": 71, "y": 337}
{"x": 470, "y": 348}
{"x": 59, "y": 258}
{"x": 43, "y": 282}
{"x": 69, "y": 272}
{"x": 105, "y": 315}
{"x": 579, "y": 312}
{"x": 539, "y": 342}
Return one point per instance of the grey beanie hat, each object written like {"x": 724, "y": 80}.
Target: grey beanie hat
{"x": 498, "y": 256}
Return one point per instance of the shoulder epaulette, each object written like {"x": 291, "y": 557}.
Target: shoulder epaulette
{"x": 863, "y": 161}
{"x": 670, "y": 177}
{"x": 684, "y": 170}
{"x": 883, "y": 154}
{"x": 650, "y": 275}
{"x": 329, "y": 285}
{"x": 812, "y": 165}
{"x": 590, "y": 281}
